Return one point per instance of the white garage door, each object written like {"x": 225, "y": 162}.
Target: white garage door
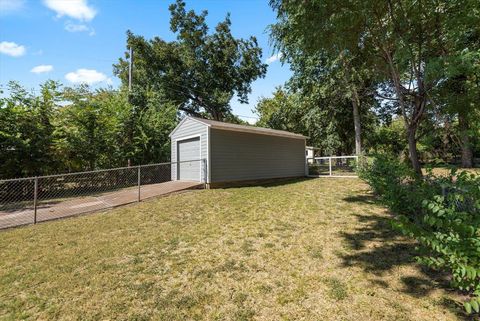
{"x": 188, "y": 150}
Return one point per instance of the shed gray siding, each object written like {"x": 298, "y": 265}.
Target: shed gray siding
{"x": 237, "y": 156}
{"x": 189, "y": 129}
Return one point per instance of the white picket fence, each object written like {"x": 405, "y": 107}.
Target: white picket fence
{"x": 332, "y": 166}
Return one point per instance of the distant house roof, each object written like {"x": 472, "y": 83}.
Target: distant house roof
{"x": 244, "y": 128}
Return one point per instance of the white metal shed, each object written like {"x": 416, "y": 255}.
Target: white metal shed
{"x": 216, "y": 152}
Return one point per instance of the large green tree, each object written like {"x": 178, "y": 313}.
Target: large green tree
{"x": 320, "y": 114}
{"x": 319, "y": 99}
{"x": 200, "y": 72}
{"x": 459, "y": 91}
{"x": 337, "y": 86}
{"x": 98, "y": 129}
{"x": 343, "y": 70}
{"x": 403, "y": 41}
{"x": 81, "y": 130}
{"x": 26, "y": 130}
{"x": 75, "y": 129}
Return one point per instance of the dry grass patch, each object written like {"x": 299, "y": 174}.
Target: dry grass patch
{"x": 317, "y": 249}
{"x": 445, "y": 171}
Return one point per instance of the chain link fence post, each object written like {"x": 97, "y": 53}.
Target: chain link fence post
{"x": 62, "y": 195}
{"x": 205, "y": 173}
{"x": 35, "y": 198}
{"x": 139, "y": 182}
{"x": 330, "y": 166}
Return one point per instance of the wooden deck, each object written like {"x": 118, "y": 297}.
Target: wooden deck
{"x": 55, "y": 209}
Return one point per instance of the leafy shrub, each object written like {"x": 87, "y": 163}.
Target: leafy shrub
{"x": 396, "y": 184}
{"x": 441, "y": 213}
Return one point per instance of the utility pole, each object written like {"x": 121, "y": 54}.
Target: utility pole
{"x": 130, "y": 67}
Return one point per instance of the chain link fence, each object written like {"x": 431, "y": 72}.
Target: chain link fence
{"x": 333, "y": 166}
{"x": 36, "y": 199}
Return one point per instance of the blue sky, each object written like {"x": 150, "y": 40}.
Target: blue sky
{"x": 75, "y": 41}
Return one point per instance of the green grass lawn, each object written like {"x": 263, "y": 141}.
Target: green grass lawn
{"x": 318, "y": 249}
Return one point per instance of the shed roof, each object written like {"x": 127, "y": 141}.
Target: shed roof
{"x": 244, "y": 128}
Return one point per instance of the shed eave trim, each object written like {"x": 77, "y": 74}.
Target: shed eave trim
{"x": 244, "y": 129}
{"x": 184, "y": 120}
{"x": 253, "y": 131}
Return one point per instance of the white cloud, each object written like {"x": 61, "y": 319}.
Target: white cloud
{"x": 12, "y": 49}
{"x": 274, "y": 58}
{"x": 41, "y": 69}
{"x": 76, "y": 9}
{"x": 87, "y": 76}
{"x": 72, "y": 27}
{"x": 11, "y": 6}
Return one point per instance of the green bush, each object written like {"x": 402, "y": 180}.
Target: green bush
{"x": 396, "y": 184}
{"x": 441, "y": 213}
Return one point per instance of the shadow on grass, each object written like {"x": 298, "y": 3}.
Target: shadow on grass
{"x": 377, "y": 248}
{"x": 265, "y": 183}
{"x": 417, "y": 286}
{"x": 366, "y": 199}
{"x": 389, "y": 251}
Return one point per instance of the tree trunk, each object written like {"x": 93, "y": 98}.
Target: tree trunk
{"x": 215, "y": 114}
{"x": 411, "y": 122}
{"x": 356, "y": 123}
{"x": 356, "y": 112}
{"x": 412, "y": 149}
{"x": 467, "y": 153}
